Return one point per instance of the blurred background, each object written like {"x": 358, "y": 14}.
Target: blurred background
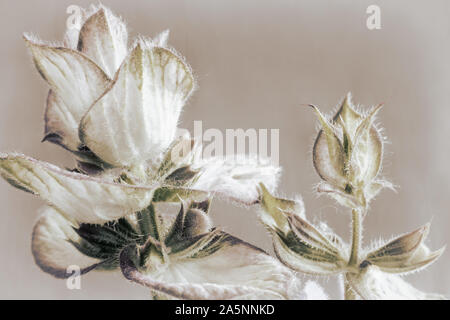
{"x": 256, "y": 62}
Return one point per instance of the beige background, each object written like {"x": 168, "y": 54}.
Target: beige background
{"x": 256, "y": 62}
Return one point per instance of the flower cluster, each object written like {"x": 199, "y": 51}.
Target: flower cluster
{"x": 116, "y": 110}
{"x": 347, "y": 155}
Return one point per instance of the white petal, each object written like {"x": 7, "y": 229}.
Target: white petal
{"x": 136, "y": 119}
{"x": 51, "y": 248}
{"x": 76, "y": 83}
{"x": 236, "y": 178}
{"x": 103, "y": 38}
{"x": 373, "y": 284}
{"x": 240, "y": 271}
{"x": 80, "y": 198}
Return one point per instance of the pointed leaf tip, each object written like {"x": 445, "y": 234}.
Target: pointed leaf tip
{"x": 405, "y": 253}
{"x": 274, "y": 209}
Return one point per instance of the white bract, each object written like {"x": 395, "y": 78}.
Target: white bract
{"x": 119, "y": 108}
{"x": 180, "y": 258}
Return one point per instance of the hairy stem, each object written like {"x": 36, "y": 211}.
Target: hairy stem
{"x": 349, "y": 294}
{"x": 356, "y": 237}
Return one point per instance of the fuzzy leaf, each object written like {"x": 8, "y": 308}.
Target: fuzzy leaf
{"x": 341, "y": 196}
{"x": 304, "y": 248}
{"x": 400, "y": 247}
{"x": 367, "y": 153}
{"x": 312, "y": 237}
{"x": 405, "y": 253}
{"x": 350, "y": 117}
{"x": 52, "y": 246}
{"x": 329, "y": 154}
{"x": 80, "y": 198}
{"x": 297, "y": 243}
{"x": 290, "y": 253}
{"x": 170, "y": 193}
{"x": 273, "y": 209}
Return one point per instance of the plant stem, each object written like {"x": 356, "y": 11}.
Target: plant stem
{"x": 356, "y": 237}
{"x": 348, "y": 292}
{"x": 354, "y": 255}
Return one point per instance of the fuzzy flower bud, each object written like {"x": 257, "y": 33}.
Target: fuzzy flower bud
{"x": 347, "y": 155}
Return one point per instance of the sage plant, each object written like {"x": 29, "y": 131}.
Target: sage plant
{"x": 347, "y": 155}
{"x": 116, "y": 110}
